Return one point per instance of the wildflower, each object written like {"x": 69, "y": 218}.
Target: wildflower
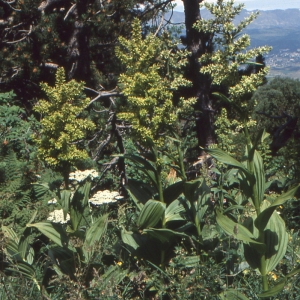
{"x": 273, "y": 276}
{"x": 57, "y": 216}
{"x": 119, "y": 263}
{"x": 52, "y": 201}
{"x": 105, "y": 197}
{"x": 82, "y": 175}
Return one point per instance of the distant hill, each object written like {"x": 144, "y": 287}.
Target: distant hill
{"x": 269, "y": 18}
{"x": 277, "y": 28}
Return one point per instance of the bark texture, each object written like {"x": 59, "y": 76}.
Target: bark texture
{"x": 199, "y": 43}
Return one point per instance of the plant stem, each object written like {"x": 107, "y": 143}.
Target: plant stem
{"x": 181, "y": 164}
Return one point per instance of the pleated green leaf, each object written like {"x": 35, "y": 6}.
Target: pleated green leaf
{"x": 150, "y": 214}
{"x": 54, "y": 232}
{"x": 164, "y": 235}
{"x": 96, "y": 231}
{"x": 276, "y": 239}
{"x": 259, "y": 175}
{"x": 225, "y": 158}
{"x": 140, "y": 192}
{"x": 145, "y": 166}
{"x": 23, "y": 246}
{"x": 79, "y": 204}
{"x": 263, "y": 218}
{"x": 174, "y": 212}
{"x": 172, "y": 192}
{"x": 128, "y": 239}
{"x": 239, "y": 232}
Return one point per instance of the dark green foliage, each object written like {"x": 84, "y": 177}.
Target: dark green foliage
{"x": 277, "y": 110}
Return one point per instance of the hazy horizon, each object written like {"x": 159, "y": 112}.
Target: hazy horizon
{"x": 257, "y": 4}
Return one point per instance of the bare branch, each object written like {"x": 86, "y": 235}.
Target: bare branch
{"x": 103, "y": 94}
{"x": 160, "y": 25}
{"x": 23, "y": 38}
{"x": 70, "y": 11}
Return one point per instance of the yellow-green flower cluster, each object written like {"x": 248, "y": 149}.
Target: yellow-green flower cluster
{"x": 231, "y": 53}
{"x": 152, "y": 75}
{"x": 61, "y": 126}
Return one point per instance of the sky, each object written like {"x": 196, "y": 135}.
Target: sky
{"x": 258, "y": 4}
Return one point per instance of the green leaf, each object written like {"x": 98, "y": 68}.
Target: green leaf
{"x": 146, "y": 166}
{"x": 280, "y": 285}
{"x": 227, "y": 100}
{"x": 150, "y": 214}
{"x": 225, "y": 158}
{"x": 209, "y": 232}
{"x": 128, "y": 239}
{"x": 26, "y": 270}
{"x": 275, "y": 238}
{"x": 232, "y": 294}
{"x": 239, "y": 232}
{"x": 94, "y": 235}
{"x": 274, "y": 290}
{"x": 23, "y": 246}
{"x": 259, "y": 175}
{"x": 65, "y": 197}
{"x": 80, "y": 204}
{"x": 96, "y": 231}
{"x": 173, "y": 191}
{"x": 164, "y": 235}
{"x": 139, "y": 192}
{"x": 54, "y": 232}
{"x": 263, "y": 218}
{"x": 175, "y": 212}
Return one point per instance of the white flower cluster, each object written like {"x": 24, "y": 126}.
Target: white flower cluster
{"x": 81, "y": 175}
{"x": 52, "y": 201}
{"x": 57, "y": 216}
{"x": 105, "y": 197}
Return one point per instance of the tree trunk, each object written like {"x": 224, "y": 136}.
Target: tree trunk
{"x": 199, "y": 43}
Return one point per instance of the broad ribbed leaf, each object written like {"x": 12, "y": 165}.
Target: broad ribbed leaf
{"x": 65, "y": 197}
{"x": 128, "y": 239}
{"x": 225, "y": 158}
{"x": 146, "y": 166}
{"x": 276, "y": 239}
{"x": 259, "y": 174}
{"x": 209, "y": 232}
{"x": 263, "y": 218}
{"x": 25, "y": 269}
{"x": 190, "y": 189}
{"x": 172, "y": 192}
{"x": 150, "y": 214}
{"x": 96, "y": 231}
{"x": 94, "y": 235}
{"x": 9, "y": 233}
{"x": 232, "y": 294}
{"x": 54, "y": 232}
{"x": 163, "y": 234}
{"x": 174, "y": 212}
{"x": 79, "y": 204}
{"x": 24, "y": 243}
{"x": 140, "y": 192}
{"x": 239, "y": 232}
